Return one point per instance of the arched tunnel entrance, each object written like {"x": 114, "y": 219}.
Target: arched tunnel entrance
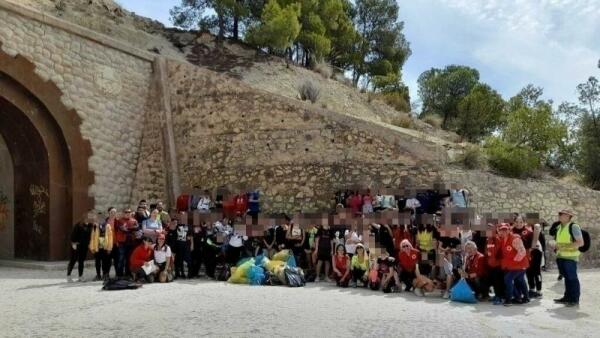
{"x": 49, "y": 159}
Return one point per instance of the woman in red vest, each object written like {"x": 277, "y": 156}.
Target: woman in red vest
{"x": 408, "y": 258}
{"x": 514, "y": 263}
{"x": 495, "y": 273}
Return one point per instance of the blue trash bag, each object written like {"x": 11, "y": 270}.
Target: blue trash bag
{"x": 256, "y": 275}
{"x": 259, "y": 260}
{"x": 461, "y": 292}
{"x": 291, "y": 262}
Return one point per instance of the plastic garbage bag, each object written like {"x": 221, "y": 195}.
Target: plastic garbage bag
{"x": 461, "y": 292}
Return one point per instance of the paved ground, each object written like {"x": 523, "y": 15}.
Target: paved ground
{"x": 41, "y": 304}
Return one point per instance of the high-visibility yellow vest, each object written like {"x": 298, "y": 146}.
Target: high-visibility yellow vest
{"x": 425, "y": 240}
{"x": 563, "y": 236}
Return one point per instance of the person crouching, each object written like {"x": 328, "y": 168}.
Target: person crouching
{"x": 141, "y": 257}
{"x": 163, "y": 259}
{"x": 341, "y": 266}
{"x": 475, "y": 271}
{"x": 408, "y": 258}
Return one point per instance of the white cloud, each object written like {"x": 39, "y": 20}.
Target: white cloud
{"x": 550, "y": 43}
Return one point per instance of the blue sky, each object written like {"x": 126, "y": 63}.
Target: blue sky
{"x": 554, "y": 44}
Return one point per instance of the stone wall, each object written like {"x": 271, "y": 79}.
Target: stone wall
{"x": 106, "y": 86}
{"x": 230, "y": 134}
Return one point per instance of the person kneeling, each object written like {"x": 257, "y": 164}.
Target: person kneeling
{"x": 475, "y": 273}
{"x": 141, "y": 261}
{"x": 163, "y": 259}
{"x": 341, "y": 266}
{"x": 390, "y": 281}
{"x": 360, "y": 266}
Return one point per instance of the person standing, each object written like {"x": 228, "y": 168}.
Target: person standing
{"x": 80, "y": 239}
{"x": 124, "y": 232}
{"x": 152, "y": 226}
{"x": 569, "y": 239}
{"x": 101, "y": 244}
{"x": 514, "y": 262}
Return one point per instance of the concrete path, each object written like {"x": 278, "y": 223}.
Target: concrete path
{"x": 37, "y": 303}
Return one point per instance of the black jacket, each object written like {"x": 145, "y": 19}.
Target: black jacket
{"x": 81, "y": 234}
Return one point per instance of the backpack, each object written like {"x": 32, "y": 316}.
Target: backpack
{"x": 586, "y": 238}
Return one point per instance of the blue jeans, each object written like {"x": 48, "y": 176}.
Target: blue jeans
{"x": 514, "y": 284}
{"x": 568, "y": 269}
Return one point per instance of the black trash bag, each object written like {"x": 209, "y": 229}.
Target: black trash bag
{"x": 120, "y": 284}
{"x": 294, "y": 277}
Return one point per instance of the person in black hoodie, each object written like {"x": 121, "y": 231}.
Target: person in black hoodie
{"x": 197, "y": 243}
{"x": 80, "y": 239}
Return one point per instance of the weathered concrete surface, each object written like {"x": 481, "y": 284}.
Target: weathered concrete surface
{"x": 41, "y": 303}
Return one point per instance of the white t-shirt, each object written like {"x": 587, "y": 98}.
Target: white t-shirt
{"x": 204, "y": 204}
{"x": 351, "y": 241}
{"x": 160, "y": 256}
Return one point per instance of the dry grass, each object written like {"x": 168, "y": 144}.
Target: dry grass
{"x": 403, "y": 121}
{"x": 324, "y": 69}
{"x": 309, "y": 91}
{"x": 433, "y": 120}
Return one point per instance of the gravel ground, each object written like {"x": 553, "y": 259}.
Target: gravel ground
{"x": 37, "y": 303}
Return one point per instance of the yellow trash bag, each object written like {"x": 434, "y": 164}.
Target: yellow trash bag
{"x": 281, "y": 256}
{"x": 272, "y": 265}
{"x": 239, "y": 275}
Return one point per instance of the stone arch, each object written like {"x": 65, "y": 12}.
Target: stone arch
{"x": 50, "y": 156}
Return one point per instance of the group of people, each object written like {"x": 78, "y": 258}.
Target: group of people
{"x": 502, "y": 264}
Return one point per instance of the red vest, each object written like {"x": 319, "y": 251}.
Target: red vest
{"x": 508, "y": 255}
{"x": 476, "y": 264}
{"x": 526, "y": 235}
{"x": 409, "y": 261}
{"x": 492, "y": 252}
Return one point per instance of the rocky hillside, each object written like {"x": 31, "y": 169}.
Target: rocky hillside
{"x": 268, "y": 73}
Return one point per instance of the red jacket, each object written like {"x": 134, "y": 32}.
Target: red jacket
{"x": 476, "y": 264}
{"x": 509, "y": 252}
{"x": 409, "y": 261}
{"x": 241, "y": 204}
{"x": 183, "y": 202}
{"x": 139, "y": 256}
{"x": 492, "y": 252}
{"x": 123, "y": 227}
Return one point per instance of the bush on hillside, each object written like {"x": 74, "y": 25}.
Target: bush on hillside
{"x": 471, "y": 158}
{"x": 396, "y": 100}
{"x": 403, "y": 121}
{"x": 324, "y": 69}
{"x": 511, "y": 160}
{"x": 309, "y": 91}
{"x": 433, "y": 120}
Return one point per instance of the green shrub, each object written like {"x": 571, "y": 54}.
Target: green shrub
{"x": 511, "y": 160}
{"x": 396, "y": 100}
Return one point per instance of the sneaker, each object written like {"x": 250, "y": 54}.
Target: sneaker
{"x": 97, "y": 278}
{"x": 69, "y": 279}
{"x": 497, "y": 301}
{"x": 328, "y": 280}
{"x": 571, "y": 304}
{"x": 81, "y": 279}
{"x": 446, "y": 295}
{"x": 353, "y": 285}
{"x": 560, "y": 277}
{"x": 317, "y": 280}
{"x": 507, "y": 303}
{"x": 526, "y": 301}
{"x": 418, "y": 292}
{"x": 561, "y": 300}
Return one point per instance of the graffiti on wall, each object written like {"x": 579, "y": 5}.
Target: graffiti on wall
{"x": 39, "y": 195}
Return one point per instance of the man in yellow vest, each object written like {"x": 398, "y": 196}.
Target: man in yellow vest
{"x": 568, "y": 241}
